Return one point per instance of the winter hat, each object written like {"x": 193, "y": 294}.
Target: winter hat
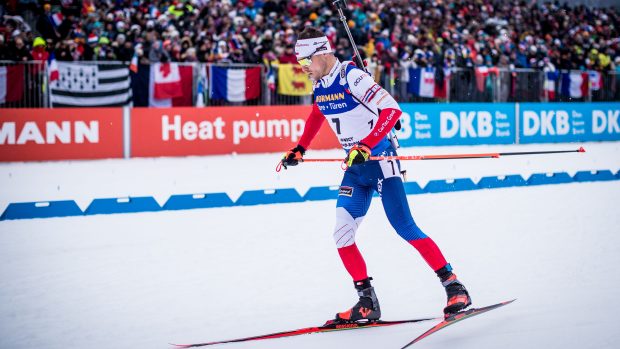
{"x": 92, "y": 38}
{"x": 38, "y": 41}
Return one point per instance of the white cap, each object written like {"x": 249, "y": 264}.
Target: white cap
{"x": 314, "y": 46}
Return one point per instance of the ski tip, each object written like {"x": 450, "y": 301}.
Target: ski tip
{"x": 180, "y": 345}
{"x": 581, "y": 150}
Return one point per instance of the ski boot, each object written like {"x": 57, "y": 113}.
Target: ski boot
{"x": 366, "y": 309}
{"x": 458, "y": 297}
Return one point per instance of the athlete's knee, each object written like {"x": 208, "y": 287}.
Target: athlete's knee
{"x": 346, "y": 227}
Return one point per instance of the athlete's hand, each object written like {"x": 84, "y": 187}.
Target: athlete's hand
{"x": 358, "y": 154}
{"x": 293, "y": 156}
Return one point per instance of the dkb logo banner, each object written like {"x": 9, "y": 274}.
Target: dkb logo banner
{"x": 457, "y": 124}
{"x": 568, "y": 122}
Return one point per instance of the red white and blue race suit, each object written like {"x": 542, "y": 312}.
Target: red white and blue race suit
{"x": 360, "y": 111}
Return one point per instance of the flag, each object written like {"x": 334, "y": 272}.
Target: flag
{"x": 271, "y": 79}
{"x": 54, "y": 74}
{"x": 482, "y": 75}
{"x": 550, "y": 79}
{"x": 11, "y": 83}
{"x": 133, "y": 66}
{"x": 574, "y": 84}
{"x": 441, "y": 85}
{"x": 57, "y": 19}
{"x": 90, "y": 85}
{"x": 167, "y": 83}
{"x": 202, "y": 87}
{"x": 422, "y": 82}
{"x": 143, "y": 87}
{"x": 234, "y": 85}
{"x": 292, "y": 81}
{"x": 596, "y": 80}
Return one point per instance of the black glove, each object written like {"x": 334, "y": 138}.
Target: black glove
{"x": 293, "y": 156}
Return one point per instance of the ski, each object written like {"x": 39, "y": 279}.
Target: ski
{"x": 456, "y": 318}
{"x": 328, "y": 327}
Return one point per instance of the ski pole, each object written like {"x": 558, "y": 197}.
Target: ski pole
{"x": 455, "y": 156}
{"x": 447, "y": 156}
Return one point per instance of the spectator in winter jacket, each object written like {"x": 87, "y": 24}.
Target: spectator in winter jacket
{"x": 19, "y": 50}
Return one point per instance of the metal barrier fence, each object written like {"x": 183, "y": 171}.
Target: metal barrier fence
{"x": 517, "y": 85}
{"x": 33, "y": 91}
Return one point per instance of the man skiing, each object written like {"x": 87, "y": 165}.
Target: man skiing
{"x": 362, "y": 114}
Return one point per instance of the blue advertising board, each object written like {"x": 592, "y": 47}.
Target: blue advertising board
{"x": 568, "y": 122}
{"x": 426, "y": 124}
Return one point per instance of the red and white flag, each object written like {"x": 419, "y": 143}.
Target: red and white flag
{"x": 11, "y": 83}
{"x": 482, "y": 73}
{"x": 596, "y": 80}
{"x": 167, "y": 81}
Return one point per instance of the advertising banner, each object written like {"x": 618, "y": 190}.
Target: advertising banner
{"x": 430, "y": 124}
{"x": 61, "y": 134}
{"x": 568, "y": 122}
{"x": 221, "y": 130}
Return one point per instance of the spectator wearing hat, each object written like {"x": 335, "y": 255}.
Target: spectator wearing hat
{"x": 103, "y": 50}
{"x": 123, "y": 49}
{"x": 39, "y": 53}
{"x": 45, "y": 25}
{"x": 288, "y": 57}
{"x": 525, "y": 32}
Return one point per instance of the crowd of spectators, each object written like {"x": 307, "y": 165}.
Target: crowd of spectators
{"x": 390, "y": 33}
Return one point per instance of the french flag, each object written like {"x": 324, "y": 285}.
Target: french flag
{"x": 234, "y": 85}
{"x": 550, "y": 80}
{"x": 57, "y": 19}
{"x": 54, "y": 74}
{"x": 422, "y": 82}
{"x": 574, "y": 84}
{"x": 133, "y": 66}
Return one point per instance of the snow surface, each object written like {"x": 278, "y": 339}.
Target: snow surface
{"x": 147, "y": 279}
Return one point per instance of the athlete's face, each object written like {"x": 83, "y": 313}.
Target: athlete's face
{"x": 314, "y": 66}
